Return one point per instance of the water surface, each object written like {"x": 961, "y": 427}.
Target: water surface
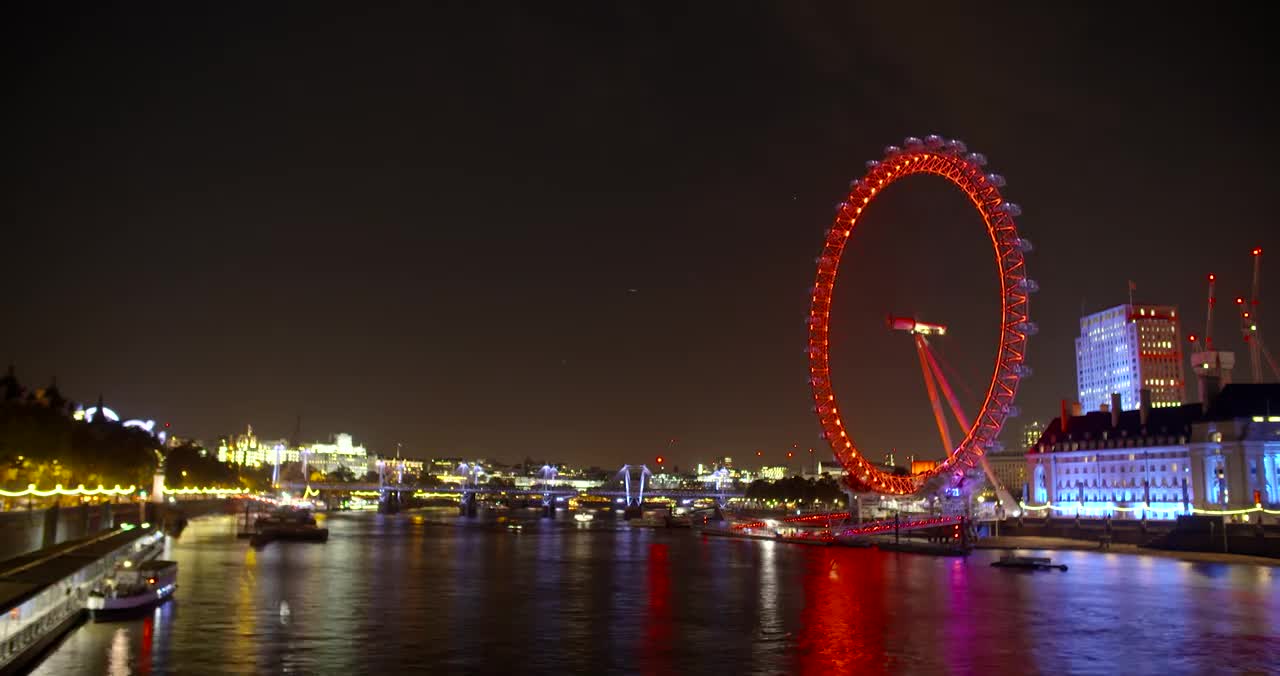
{"x": 400, "y": 594}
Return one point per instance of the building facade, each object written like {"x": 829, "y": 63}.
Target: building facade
{"x": 1010, "y": 469}
{"x": 1158, "y": 463}
{"x": 1126, "y": 349}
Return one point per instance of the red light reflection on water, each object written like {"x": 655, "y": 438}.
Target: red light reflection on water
{"x": 656, "y": 655}
{"x": 843, "y": 622}
{"x": 144, "y": 650}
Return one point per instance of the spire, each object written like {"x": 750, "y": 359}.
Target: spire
{"x": 53, "y": 396}
{"x": 98, "y": 415}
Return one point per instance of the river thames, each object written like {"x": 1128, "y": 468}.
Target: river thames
{"x": 405, "y": 594}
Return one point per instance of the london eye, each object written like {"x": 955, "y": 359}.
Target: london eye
{"x": 952, "y": 161}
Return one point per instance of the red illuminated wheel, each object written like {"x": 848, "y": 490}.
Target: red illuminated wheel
{"x": 951, "y": 161}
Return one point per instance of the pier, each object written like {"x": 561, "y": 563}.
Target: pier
{"x": 44, "y": 592}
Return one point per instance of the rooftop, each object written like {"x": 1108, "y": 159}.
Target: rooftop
{"x": 1238, "y": 400}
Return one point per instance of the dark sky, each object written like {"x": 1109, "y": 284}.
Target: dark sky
{"x": 423, "y": 225}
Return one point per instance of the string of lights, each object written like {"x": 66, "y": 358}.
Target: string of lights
{"x": 78, "y": 491}
{"x": 1071, "y": 507}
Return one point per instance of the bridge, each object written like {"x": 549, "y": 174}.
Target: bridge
{"x": 548, "y": 488}
{"x": 533, "y": 491}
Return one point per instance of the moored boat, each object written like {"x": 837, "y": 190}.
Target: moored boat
{"x": 1027, "y": 562}
{"x": 289, "y": 526}
{"x": 134, "y": 588}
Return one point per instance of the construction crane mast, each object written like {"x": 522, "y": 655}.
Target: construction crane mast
{"x": 1208, "y": 322}
{"x": 1211, "y": 366}
{"x": 1258, "y": 353}
{"x": 1250, "y": 323}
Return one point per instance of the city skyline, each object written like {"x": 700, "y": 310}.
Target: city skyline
{"x": 587, "y": 259}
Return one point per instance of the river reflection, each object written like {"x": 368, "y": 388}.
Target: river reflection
{"x": 403, "y": 594}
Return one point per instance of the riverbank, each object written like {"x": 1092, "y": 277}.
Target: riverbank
{"x": 1065, "y": 544}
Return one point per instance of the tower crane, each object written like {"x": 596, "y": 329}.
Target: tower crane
{"x": 1249, "y": 325}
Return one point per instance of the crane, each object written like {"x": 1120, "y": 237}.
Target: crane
{"x": 1210, "y": 364}
{"x": 1249, "y": 324}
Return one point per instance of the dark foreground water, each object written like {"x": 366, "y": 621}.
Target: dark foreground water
{"x": 391, "y": 595}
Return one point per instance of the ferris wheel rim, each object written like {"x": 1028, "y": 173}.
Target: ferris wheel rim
{"x": 951, "y": 161}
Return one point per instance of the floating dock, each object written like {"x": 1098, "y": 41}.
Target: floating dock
{"x": 43, "y": 593}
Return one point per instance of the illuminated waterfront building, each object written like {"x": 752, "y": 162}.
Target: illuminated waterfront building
{"x": 248, "y": 450}
{"x": 1129, "y": 348}
{"x": 1161, "y": 462}
{"x": 341, "y": 453}
{"x": 775, "y": 472}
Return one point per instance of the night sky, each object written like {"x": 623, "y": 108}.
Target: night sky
{"x": 585, "y": 233}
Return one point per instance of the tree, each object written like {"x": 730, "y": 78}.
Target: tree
{"x": 192, "y": 466}
{"x": 341, "y": 475}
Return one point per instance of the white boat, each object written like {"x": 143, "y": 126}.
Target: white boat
{"x": 134, "y": 588}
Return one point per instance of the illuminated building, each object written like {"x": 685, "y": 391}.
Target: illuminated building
{"x": 1031, "y": 433}
{"x": 395, "y": 468}
{"x": 1010, "y": 469}
{"x": 248, "y": 450}
{"x": 918, "y": 466}
{"x": 1129, "y": 348}
{"x": 1161, "y": 462}
{"x": 774, "y": 473}
{"x": 341, "y": 453}
{"x": 244, "y": 449}
{"x": 442, "y": 466}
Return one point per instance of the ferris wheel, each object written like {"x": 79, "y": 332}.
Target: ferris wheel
{"x": 952, "y": 161}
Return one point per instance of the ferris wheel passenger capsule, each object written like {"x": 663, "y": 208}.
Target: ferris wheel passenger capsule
{"x": 912, "y": 143}
{"x": 1024, "y": 245}
{"x": 1028, "y": 328}
{"x": 1028, "y": 285}
{"x": 890, "y": 151}
{"x": 855, "y": 184}
{"x": 958, "y": 147}
{"x": 1022, "y": 371}
{"x": 1010, "y": 208}
{"x": 933, "y": 141}
{"x": 997, "y": 180}
{"x": 976, "y": 158}
{"x": 872, "y": 164}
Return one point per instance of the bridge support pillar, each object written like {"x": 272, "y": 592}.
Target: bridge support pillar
{"x": 389, "y": 503}
{"x": 467, "y": 507}
{"x": 632, "y": 512}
